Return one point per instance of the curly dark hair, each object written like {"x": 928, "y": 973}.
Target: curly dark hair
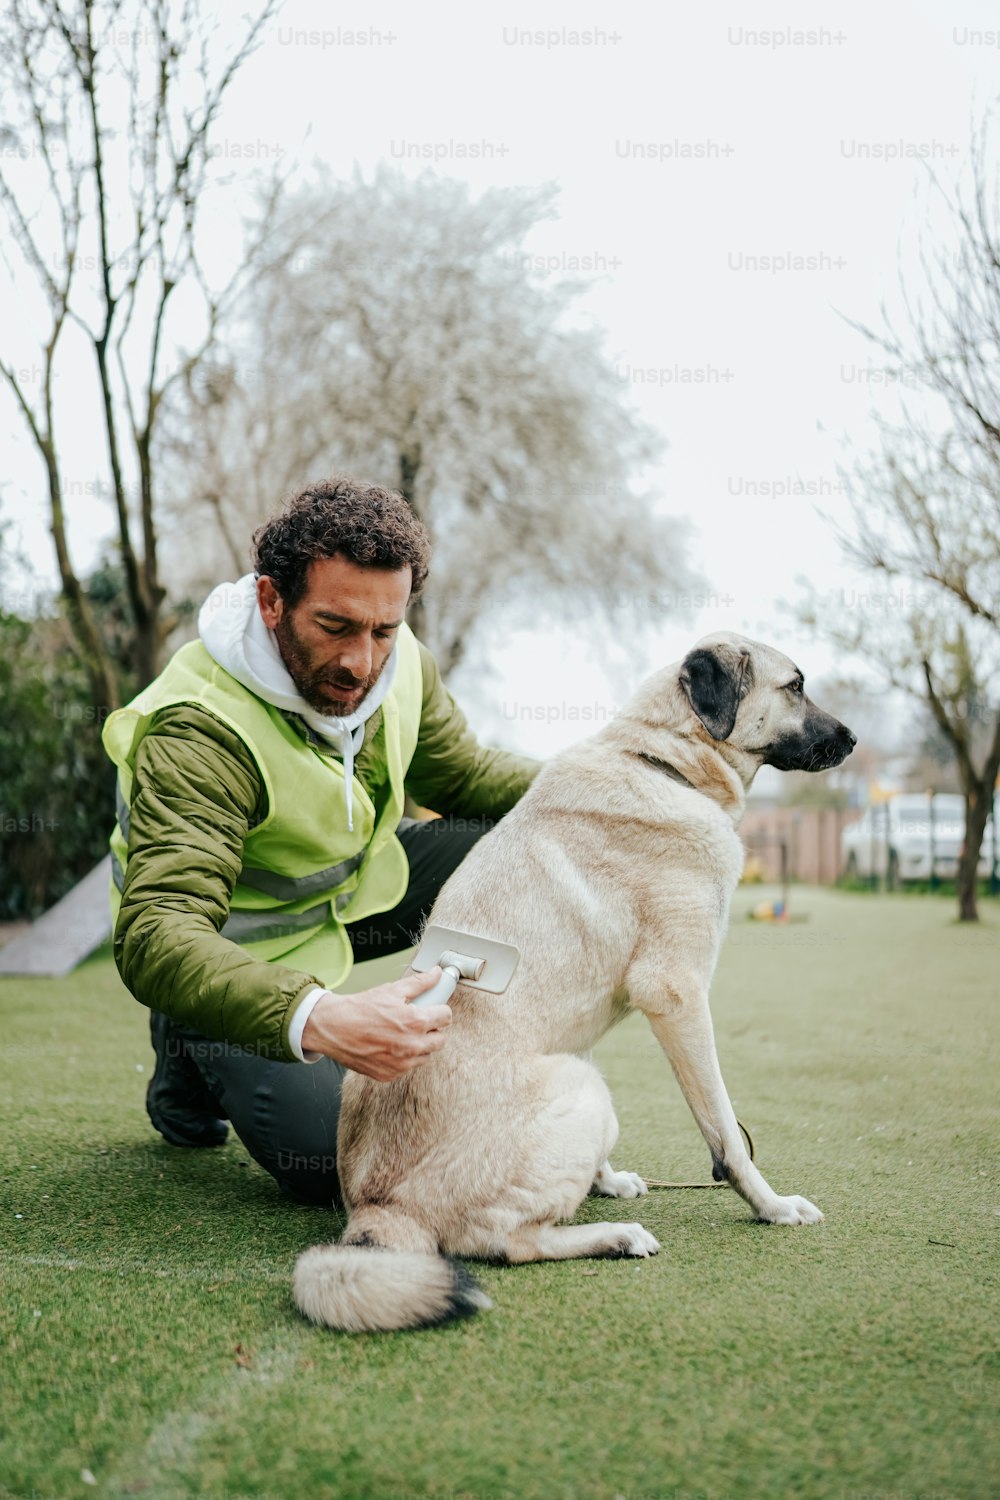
{"x": 372, "y": 527}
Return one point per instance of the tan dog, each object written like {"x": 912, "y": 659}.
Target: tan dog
{"x": 613, "y": 875}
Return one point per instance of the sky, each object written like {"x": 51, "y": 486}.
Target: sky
{"x": 739, "y": 182}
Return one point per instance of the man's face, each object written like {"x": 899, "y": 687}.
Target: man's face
{"x": 337, "y": 639}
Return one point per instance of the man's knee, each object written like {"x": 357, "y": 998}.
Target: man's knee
{"x": 307, "y": 1177}
{"x": 285, "y": 1114}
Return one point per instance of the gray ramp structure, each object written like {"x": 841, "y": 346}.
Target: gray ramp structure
{"x": 67, "y": 933}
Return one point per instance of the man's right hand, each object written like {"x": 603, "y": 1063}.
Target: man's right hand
{"x": 377, "y": 1031}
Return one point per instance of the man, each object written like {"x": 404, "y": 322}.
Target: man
{"x": 261, "y": 846}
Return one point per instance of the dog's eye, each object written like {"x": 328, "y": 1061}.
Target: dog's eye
{"x": 795, "y": 687}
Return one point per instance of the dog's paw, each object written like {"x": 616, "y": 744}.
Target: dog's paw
{"x": 636, "y": 1241}
{"x": 611, "y": 1184}
{"x": 791, "y": 1211}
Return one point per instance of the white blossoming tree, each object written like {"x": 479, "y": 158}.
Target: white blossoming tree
{"x": 403, "y": 339}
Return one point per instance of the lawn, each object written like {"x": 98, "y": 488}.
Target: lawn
{"x": 151, "y": 1347}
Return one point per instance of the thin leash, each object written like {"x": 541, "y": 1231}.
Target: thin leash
{"x": 653, "y": 1183}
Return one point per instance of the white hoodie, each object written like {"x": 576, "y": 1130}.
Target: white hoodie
{"x": 233, "y": 632}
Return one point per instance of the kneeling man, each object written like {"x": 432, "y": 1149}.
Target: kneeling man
{"x": 261, "y": 848}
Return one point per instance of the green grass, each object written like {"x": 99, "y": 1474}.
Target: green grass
{"x": 852, "y": 1358}
{"x": 941, "y": 887}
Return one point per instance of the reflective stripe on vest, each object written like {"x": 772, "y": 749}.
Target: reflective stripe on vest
{"x": 294, "y": 887}
{"x": 258, "y": 926}
{"x": 281, "y": 887}
{"x": 122, "y": 811}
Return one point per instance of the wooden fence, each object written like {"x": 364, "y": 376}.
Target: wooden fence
{"x": 811, "y": 836}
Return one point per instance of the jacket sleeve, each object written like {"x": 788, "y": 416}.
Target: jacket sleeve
{"x": 195, "y": 791}
{"x": 451, "y": 773}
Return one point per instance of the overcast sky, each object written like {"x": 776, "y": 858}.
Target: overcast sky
{"x": 737, "y": 177}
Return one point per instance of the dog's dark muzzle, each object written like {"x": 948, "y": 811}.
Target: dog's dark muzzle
{"x": 822, "y": 743}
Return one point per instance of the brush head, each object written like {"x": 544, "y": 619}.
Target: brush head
{"x": 499, "y": 959}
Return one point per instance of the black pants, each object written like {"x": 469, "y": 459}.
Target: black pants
{"x": 286, "y": 1113}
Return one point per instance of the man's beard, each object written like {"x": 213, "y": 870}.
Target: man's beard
{"x": 310, "y": 681}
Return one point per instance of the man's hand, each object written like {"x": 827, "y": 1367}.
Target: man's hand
{"x": 376, "y": 1031}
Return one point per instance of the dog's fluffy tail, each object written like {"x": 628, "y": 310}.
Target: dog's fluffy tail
{"x": 385, "y": 1273}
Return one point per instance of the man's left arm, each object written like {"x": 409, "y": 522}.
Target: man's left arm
{"x": 450, "y": 772}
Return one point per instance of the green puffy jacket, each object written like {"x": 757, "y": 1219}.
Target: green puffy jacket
{"x": 201, "y": 791}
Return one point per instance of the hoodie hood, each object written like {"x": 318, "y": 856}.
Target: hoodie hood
{"x": 234, "y": 634}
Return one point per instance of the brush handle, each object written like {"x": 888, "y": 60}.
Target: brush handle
{"x": 441, "y": 992}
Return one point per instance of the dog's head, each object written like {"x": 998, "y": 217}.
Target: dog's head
{"x": 753, "y": 698}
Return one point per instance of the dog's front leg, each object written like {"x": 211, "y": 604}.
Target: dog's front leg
{"x": 686, "y": 1035}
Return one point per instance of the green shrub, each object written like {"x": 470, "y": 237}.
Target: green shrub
{"x": 56, "y": 784}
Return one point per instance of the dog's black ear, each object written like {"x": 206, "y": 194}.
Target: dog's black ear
{"x": 713, "y": 681}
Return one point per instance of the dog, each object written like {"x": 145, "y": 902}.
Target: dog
{"x": 613, "y": 875}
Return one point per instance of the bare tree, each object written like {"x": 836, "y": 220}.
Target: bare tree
{"x": 929, "y": 625}
{"x": 925, "y": 505}
{"x": 405, "y": 338}
{"x": 110, "y": 107}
